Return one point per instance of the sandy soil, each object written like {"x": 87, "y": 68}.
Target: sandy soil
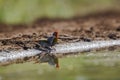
{"x": 93, "y": 27}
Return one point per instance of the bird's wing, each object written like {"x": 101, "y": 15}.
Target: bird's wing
{"x": 50, "y": 40}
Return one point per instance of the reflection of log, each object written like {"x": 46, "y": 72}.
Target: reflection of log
{"x": 59, "y": 48}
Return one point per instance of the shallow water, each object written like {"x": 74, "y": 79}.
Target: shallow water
{"x": 104, "y": 65}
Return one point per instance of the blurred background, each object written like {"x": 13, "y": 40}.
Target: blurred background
{"x": 86, "y": 66}
{"x": 25, "y": 11}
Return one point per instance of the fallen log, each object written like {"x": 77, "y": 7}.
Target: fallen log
{"x": 8, "y": 56}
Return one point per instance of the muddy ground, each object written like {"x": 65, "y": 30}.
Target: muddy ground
{"x": 93, "y": 27}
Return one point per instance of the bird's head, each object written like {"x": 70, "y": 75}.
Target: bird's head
{"x": 55, "y": 34}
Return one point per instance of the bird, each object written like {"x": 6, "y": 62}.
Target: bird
{"x": 47, "y": 46}
{"x": 53, "y": 39}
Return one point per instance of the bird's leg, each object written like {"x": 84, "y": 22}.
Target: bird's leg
{"x": 53, "y": 49}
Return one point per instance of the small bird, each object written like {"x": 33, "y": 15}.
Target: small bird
{"x": 47, "y": 46}
{"x": 53, "y": 39}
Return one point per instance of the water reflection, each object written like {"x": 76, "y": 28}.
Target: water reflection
{"x": 88, "y": 66}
